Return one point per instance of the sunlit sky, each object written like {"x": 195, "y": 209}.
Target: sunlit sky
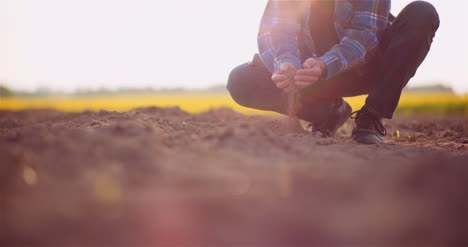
{"x": 69, "y": 44}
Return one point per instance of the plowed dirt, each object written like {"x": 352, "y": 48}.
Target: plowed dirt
{"x": 160, "y": 177}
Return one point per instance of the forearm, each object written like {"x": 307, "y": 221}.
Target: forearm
{"x": 278, "y": 34}
{"x": 360, "y": 36}
{"x": 351, "y": 52}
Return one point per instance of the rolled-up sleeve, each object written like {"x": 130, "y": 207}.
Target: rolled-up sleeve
{"x": 360, "y": 36}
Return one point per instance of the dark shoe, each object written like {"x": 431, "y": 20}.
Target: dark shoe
{"x": 337, "y": 116}
{"x": 369, "y": 127}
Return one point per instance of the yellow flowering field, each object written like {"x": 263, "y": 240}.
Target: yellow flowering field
{"x": 199, "y": 102}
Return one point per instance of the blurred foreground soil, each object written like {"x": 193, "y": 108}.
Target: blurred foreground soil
{"x": 163, "y": 177}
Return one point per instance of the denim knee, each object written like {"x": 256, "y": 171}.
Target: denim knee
{"x": 423, "y": 16}
{"x": 238, "y": 85}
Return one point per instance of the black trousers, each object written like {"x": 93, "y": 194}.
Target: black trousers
{"x": 402, "y": 48}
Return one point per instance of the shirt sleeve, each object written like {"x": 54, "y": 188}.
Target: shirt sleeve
{"x": 368, "y": 20}
{"x": 279, "y": 32}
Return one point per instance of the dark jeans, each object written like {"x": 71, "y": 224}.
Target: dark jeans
{"x": 403, "y": 47}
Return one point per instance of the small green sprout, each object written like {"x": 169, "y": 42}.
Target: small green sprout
{"x": 397, "y": 134}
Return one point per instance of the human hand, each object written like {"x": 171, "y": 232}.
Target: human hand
{"x": 312, "y": 72}
{"x": 284, "y": 76}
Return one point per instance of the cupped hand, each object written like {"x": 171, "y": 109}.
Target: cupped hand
{"x": 284, "y": 76}
{"x": 312, "y": 72}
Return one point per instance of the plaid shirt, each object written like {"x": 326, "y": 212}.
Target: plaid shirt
{"x": 358, "y": 25}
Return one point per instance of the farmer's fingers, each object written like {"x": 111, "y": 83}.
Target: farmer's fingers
{"x": 279, "y": 77}
{"x": 306, "y": 78}
{"x": 284, "y": 84}
{"x": 283, "y": 68}
{"x": 310, "y": 72}
{"x": 303, "y": 84}
{"x": 286, "y": 67}
{"x": 311, "y": 63}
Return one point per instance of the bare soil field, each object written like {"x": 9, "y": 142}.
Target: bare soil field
{"x": 164, "y": 177}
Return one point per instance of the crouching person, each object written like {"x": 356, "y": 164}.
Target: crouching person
{"x": 328, "y": 50}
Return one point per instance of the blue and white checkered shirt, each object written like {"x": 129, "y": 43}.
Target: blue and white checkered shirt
{"x": 358, "y": 24}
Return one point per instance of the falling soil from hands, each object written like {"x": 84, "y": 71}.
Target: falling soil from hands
{"x": 294, "y": 104}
